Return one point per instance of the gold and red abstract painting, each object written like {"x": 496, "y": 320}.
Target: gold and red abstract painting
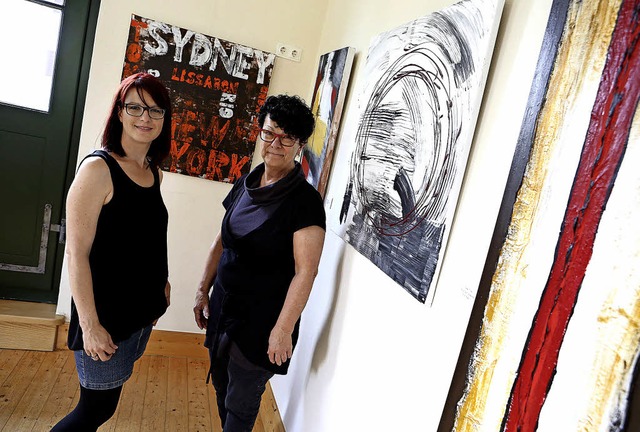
{"x": 560, "y": 337}
{"x": 327, "y": 103}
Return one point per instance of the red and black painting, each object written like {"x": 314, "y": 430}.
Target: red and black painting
{"x": 217, "y": 88}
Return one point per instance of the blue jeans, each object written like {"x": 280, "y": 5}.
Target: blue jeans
{"x": 239, "y": 385}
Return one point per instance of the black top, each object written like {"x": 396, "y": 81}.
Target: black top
{"x": 128, "y": 258}
{"x": 257, "y": 262}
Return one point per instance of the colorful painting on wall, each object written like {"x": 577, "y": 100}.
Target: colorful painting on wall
{"x": 559, "y": 342}
{"x": 327, "y": 103}
{"x": 423, "y": 88}
{"x": 217, "y": 88}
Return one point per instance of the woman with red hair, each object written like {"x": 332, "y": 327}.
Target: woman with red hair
{"x": 117, "y": 248}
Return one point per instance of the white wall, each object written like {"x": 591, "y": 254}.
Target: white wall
{"x": 370, "y": 356}
{"x": 195, "y": 209}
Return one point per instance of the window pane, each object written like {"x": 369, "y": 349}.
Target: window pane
{"x": 29, "y": 45}
{"x": 56, "y": 2}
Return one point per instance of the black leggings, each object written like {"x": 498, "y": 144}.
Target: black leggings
{"x": 94, "y": 408}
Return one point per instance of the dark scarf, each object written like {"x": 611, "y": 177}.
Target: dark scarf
{"x": 257, "y": 204}
{"x": 274, "y": 192}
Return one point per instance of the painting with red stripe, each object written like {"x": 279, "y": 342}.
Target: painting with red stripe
{"x": 329, "y": 94}
{"x": 559, "y": 344}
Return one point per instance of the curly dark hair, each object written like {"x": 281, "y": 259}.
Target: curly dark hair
{"x": 112, "y": 134}
{"x": 291, "y": 114}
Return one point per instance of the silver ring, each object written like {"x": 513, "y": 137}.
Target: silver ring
{"x": 95, "y": 357}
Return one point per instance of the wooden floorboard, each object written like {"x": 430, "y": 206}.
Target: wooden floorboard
{"x": 26, "y": 414}
{"x": 130, "y": 415}
{"x": 154, "y": 408}
{"x": 60, "y": 401}
{"x": 177, "y": 407}
{"x": 16, "y": 385}
{"x": 199, "y": 412}
{"x": 8, "y": 361}
{"x": 165, "y": 393}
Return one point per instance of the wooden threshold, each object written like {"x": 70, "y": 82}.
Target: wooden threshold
{"x": 28, "y": 325}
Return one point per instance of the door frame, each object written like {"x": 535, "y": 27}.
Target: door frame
{"x": 76, "y": 128}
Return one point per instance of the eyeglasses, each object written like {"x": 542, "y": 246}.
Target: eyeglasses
{"x": 269, "y": 136}
{"x": 136, "y": 110}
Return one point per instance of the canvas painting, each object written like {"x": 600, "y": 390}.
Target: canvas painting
{"x": 558, "y": 345}
{"x": 423, "y": 85}
{"x": 328, "y": 100}
{"x": 217, "y": 88}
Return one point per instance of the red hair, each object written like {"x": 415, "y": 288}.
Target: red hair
{"x": 112, "y": 134}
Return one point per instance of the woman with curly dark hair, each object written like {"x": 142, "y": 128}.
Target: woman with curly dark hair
{"x": 117, "y": 248}
{"x": 261, "y": 266}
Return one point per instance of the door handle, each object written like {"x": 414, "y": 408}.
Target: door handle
{"x": 62, "y": 229}
{"x": 44, "y": 243}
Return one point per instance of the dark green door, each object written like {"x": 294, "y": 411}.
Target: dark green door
{"x": 42, "y": 93}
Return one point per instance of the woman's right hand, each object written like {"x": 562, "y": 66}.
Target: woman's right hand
{"x": 201, "y": 309}
{"x": 98, "y": 343}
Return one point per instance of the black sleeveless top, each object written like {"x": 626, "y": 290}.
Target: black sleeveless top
{"x": 128, "y": 258}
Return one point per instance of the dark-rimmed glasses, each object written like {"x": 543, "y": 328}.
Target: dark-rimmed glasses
{"x": 136, "y": 110}
{"x": 270, "y": 136}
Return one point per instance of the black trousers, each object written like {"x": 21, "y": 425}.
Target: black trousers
{"x": 239, "y": 386}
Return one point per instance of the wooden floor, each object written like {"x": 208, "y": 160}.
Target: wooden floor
{"x": 164, "y": 394}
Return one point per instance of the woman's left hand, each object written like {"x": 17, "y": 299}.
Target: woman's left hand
{"x": 280, "y": 346}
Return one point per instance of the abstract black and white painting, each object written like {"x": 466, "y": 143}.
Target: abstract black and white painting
{"x": 423, "y": 85}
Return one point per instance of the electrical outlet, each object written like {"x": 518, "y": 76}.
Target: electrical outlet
{"x": 288, "y": 52}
